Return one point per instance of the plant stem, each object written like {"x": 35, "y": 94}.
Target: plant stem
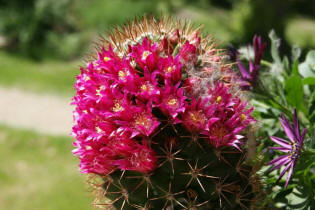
{"x": 266, "y": 63}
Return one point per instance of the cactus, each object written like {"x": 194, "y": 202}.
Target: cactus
{"x": 161, "y": 121}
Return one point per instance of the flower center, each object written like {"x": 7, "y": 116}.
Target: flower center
{"x": 170, "y": 69}
{"x": 196, "y": 117}
{"x": 98, "y": 129}
{"x": 219, "y": 131}
{"x": 106, "y": 59}
{"x": 172, "y": 102}
{"x": 219, "y": 99}
{"x": 243, "y": 117}
{"x": 117, "y": 107}
{"x": 294, "y": 151}
{"x": 145, "y": 54}
{"x": 122, "y": 74}
{"x": 98, "y": 91}
{"x": 144, "y": 87}
{"x": 142, "y": 120}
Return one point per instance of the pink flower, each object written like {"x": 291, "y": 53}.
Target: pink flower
{"x": 138, "y": 120}
{"x": 170, "y": 68}
{"x": 147, "y": 87}
{"x": 142, "y": 159}
{"x": 165, "y": 47}
{"x": 231, "y": 115}
{"x": 172, "y": 100}
{"x": 188, "y": 54}
{"x": 196, "y": 116}
{"x": 145, "y": 54}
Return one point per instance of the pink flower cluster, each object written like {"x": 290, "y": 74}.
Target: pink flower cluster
{"x": 114, "y": 119}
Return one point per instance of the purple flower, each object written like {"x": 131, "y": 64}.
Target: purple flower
{"x": 249, "y": 76}
{"x": 292, "y": 147}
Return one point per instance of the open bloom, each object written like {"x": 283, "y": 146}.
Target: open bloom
{"x": 249, "y": 76}
{"x": 292, "y": 148}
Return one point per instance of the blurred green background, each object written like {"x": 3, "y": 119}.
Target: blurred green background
{"x": 42, "y": 44}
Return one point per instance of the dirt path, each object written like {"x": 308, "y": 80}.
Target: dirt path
{"x": 43, "y": 113}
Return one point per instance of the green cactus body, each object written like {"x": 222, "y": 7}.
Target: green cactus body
{"x": 189, "y": 176}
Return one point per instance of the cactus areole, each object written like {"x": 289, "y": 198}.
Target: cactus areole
{"x": 161, "y": 121}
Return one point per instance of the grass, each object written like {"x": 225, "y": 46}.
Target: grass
{"x": 39, "y": 172}
{"x": 47, "y": 76}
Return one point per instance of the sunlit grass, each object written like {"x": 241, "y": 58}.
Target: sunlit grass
{"x": 39, "y": 173}
{"x": 47, "y": 76}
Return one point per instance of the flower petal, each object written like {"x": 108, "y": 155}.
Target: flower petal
{"x": 281, "y": 142}
{"x": 282, "y": 149}
{"x": 296, "y": 125}
{"x": 289, "y": 175}
{"x": 278, "y": 159}
{"x": 284, "y": 170}
{"x": 281, "y": 163}
{"x": 287, "y": 128}
{"x": 243, "y": 70}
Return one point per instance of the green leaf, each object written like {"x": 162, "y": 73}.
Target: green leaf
{"x": 286, "y": 64}
{"x": 294, "y": 91}
{"x": 275, "y": 43}
{"x": 295, "y": 68}
{"x": 280, "y": 197}
{"x": 309, "y": 81}
{"x": 307, "y": 68}
{"x": 296, "y": 53}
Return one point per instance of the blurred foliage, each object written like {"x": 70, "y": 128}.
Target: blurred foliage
{"x": 33, "y": 27}
{"x": 39, "y": 173}
{"x": 252, "y": 17}
{"x": 301, "y": 31}
{"x": 63, "y": 29}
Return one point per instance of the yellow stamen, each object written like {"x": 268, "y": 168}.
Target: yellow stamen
{"x": 106, "y": 59}
{"x": 86, "y": 78}
{"x": 145, "y": 54}
{"x": 197, "y": 117}
{"x": 144, "y": 87}
{"x": 170, "y": 69}
{"x": 243, "y": 117}
{"x": 219, "y": 99}
{"x": 117, "y": 107}
{"x": 121, "y": 74}
{"x": 85, "y": 111}
{"x": 98, "y": 91}
{"x": 133, "y": 64}
{"x": 142, "y": 120}
{"x": 172, "y": 102}
{"x": 98, "y": 129}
